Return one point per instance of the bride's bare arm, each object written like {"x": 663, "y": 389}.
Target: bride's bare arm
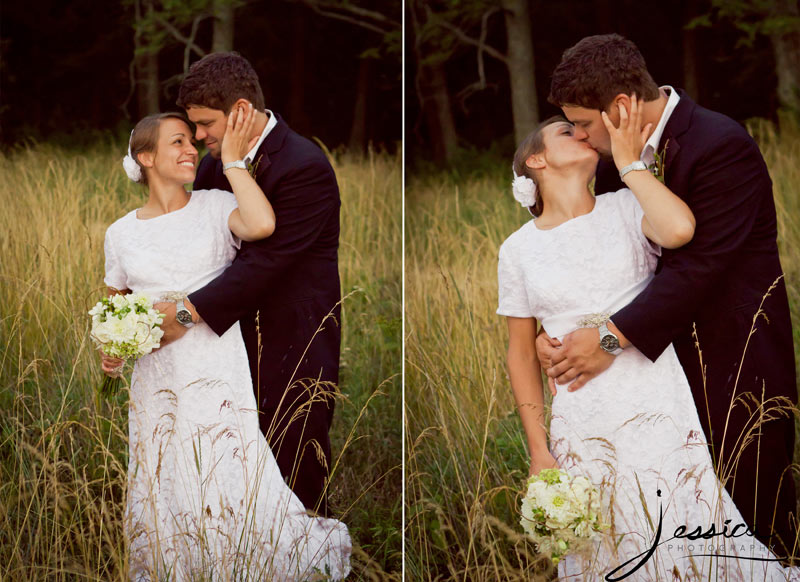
{"x": 526, "y": 382}
{"x": 254, "y": 219}
{"x": 667, "y": 220}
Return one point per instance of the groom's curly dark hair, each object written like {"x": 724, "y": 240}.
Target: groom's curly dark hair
{"x": 599, "y": 68}
{"x": 218, "y": 80}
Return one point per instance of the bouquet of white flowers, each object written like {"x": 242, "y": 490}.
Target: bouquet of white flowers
{"x": 561, "y": 513}
{"x": 125, "y": 326}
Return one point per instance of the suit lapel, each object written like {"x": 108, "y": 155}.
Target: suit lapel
{"x": 676, "y": 126}
{"x": 272, "y": 143}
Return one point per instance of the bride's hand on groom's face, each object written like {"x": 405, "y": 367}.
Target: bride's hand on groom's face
{"x": 629, "y": 137}
{"x": 580, "y": 358}
{"x": 237, "y": 140}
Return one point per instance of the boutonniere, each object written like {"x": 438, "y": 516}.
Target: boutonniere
{"x": 251, "y": 167}
{"x": 657, "y": 167}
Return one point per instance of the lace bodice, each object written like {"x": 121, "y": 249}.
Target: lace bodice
{"x": 549, "y": 274}
{"x": 200, "y": 245}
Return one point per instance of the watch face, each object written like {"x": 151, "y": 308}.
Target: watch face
{"x": 609, "y": 343}
{"x": 184, "y": 316}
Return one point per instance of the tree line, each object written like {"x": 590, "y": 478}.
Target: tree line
{"x": 474, "y": 59}
{"x": 330, "y": 67}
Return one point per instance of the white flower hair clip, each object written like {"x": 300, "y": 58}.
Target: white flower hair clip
{"x": 132, "y": 169}
{"x": 524, "y": 190}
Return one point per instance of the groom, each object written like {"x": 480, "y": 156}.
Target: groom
{"x": 705, "y": 294}
{"x": 284, "y": 290}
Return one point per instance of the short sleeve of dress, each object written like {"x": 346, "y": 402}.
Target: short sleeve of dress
{"x": 226, "y": 204}
{"x": 115, "y": 274}
{"x": 634, "y": 213}
{"x": 512, "y": 294}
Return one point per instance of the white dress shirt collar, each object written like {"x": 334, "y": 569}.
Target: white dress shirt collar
{"x": 272, "y": 121}
{"x": 651, "y": 146}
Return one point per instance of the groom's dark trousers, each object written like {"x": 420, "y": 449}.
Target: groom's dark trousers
{"x": 708, "y": 296}
{"x": 284, "y": 291}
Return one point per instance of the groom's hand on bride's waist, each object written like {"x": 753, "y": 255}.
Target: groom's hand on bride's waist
{"x": 172, "y": 329}
{"x": 581, "y": 358}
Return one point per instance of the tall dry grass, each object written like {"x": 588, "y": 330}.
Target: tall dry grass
{"x": 63, "y": 452}
{"x": 466, "y": 455}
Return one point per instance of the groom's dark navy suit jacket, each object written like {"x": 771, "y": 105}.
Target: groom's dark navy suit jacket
{"x": 708, "y": 292}
{"x": 281, "y": 289}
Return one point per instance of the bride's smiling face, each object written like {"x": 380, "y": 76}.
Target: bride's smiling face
{"x": 175, "y": 157}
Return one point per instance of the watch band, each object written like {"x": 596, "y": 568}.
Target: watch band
{"x": 635, "y": 166}
{"x": 181, "y": 309}
{"x": 612, "y": 339}
{"x": 237, "y": 164}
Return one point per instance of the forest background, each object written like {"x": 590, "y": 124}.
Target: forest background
{"x": 478, "y": 71}
{"x": 73, "y": 69}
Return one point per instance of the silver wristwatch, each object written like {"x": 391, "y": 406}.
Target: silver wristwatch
{"x": 637, "y": 165}
{"x": 183, "y": 315}
{"x": 608, "y": 341}
{"x": 236, "y": 164}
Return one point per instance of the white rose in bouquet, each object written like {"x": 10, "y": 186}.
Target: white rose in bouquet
{"x": 125, "y": 326}
{"x": 560, "y": 513}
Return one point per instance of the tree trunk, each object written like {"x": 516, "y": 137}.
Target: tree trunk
{"x": 223, "y": 26}
{"x": 524, "y": 102}
{"x": 148, "y": 84}
{"x": 786, "y": 48}
{"x": 146, "y": 65}
{"x": 432, "y": 92}
{"x": 358, "y": 130}
{"x": 435, "y": 98}
{"x": 296, "y": 111}
{"x": 689, "y": 51}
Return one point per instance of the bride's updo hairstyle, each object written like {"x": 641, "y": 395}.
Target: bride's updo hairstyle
{"x": 145, "y": 139}
{"x": 534, "y": 144}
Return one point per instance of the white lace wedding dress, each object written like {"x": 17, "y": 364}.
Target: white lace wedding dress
{"x": 634, "y": 430}
{"x": 205, "y": 495}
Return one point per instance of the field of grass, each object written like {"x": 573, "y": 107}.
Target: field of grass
{"x": 466, "y": 456}
{"x": 63, "y": 451}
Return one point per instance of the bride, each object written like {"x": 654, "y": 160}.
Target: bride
{"x": 206, "y": 499}
{"x": 634, "y": 430}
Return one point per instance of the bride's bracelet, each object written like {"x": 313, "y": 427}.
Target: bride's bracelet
{"x": 594, "y": 320}
{"x": 174, "y": 296}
